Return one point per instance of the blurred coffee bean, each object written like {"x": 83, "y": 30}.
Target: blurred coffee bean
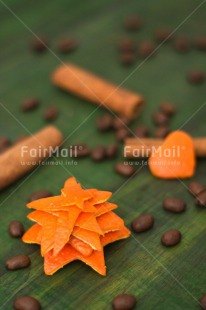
{"x": 196, "y": 77}
{"x": 182, "y": 45}
{"x": 146, "y": 49}
{"x": 67, "y": 45}
{"x": 111, "y": 151}
{"x": 26, "y": 303}
{"x": 141, "y": 131}
{"x": 200, "y": 43}
{"x": 16, "y": 229}
{"x": 79, "y": 150}
{"x": 161, "y": 132}
{"x": 105, "y": 122}
{"x": 40, "y": 44}
{"x": 122, "y": 134}
{"x": 195, "y": 188}
{"x": 44, "y": 193}
{"x": 143, "y": 223}
{"x": 174, "y": 205}
{"x": 171, "y": 237}
{"x": 203, "y": 302}
{"x": 201, "y": 198}
{"x": 98, "y": 153}
{"x": 126, "y": 45}
{"x": 163, "y": 35}
{"x": 124, "y": 302}
{"x": 121, "y": 122}
{"x": 127, "y": 58}
{"x": 168, "y": 108}
{"x": 133, "y": 23}
{"x": 18, "y": 262}
{"x": 21, "y": 138}
{"x": 160, "y": 118}
{"x": 30, "y": 104}
{"x": 51, "y": 113}
{"x": 4, "y": 144}
{"x": 123, "y": 169}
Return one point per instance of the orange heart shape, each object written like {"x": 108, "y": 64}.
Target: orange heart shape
{"x": 175, "y": 158}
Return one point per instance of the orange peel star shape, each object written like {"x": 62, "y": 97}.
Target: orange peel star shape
{"x": 75, "y": 225}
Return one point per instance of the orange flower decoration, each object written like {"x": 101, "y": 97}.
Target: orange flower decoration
{"x": 74, "y": 226}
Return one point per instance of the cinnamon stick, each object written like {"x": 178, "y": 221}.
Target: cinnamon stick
{"x": 142, "y": 148}
{"x": 90, "y": 87}
{"x": 25, "y": 155}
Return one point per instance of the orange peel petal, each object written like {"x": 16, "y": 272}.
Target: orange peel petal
{"x": 69, "y": 254}
{"x": 115, "y": 236}
{"x": 110, "y": 222}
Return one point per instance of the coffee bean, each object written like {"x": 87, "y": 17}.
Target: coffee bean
{"x": 40, "y": 45}
{"x": 67, "y": 45}
{"x": 126, "y": 45}
{"x": 124, "y": 302}
{"x": 111, "y": 151}
{"x": 79, "y": 150}
{"x": 141, "y": 131}
{"x": 163, "y": 35}
{"x": 127, "y": 58}
{"x": 203, "y": 302}
{"x": 182, "y": 45}
{"x": 120, "y": 123}
{"x": 26, "y": 303}
{"x": 16, "y": 229}
{"x": 171, "y": 237}
{"x": 51, "y": 113}
{"x": 195, "y": 188}
{"x": 196, "y": 77}
{"x": 105, "y": 122}
{"x": 17, "y": 262}
{"x": 160, "y": 118}
{"x": 143, "y": 223}
{"x": 133, "y": 23}
{"x": 21, "y": 138}
{"x": 122, "y": 134}
{"x": 124, "y": 170}
{"x": 29, "y": 104}
{"x": 146, "y": 49}
{"x": 168, "y": 108}
{"x": 174, "y": 205}
{"x": 200, "y": 43}
{"x": 4, "y": 144}
{"x": 44, "y": 193}
{"x": 98, "y": 153}
{"x": 201, "y": 198}
{"x": 161, "y": 132}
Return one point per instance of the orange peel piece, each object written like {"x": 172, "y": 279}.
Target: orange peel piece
{"x": 98, "y": 196}
{"x": 76, "y": 196}
{"x": 48, "y": 235}
{"x": 89, "y": 207}
{"x": 69, "y": 254}
{"x": 40, "y": 217}
{"x": 45, "y": 203}
{"x": 104, "y": 207}
{"x": 70, "y": 182}
{"x": 113, "y": 236}
{"x": 33, "y": 234}
{"x": 110, "y": 222}
{"x": 175, "y": 158}
{"x": 83, "y": 248}
{"x": 88, "y": 221}
{"x": 65, "y": 225}
{"x": 90, "y": 237}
